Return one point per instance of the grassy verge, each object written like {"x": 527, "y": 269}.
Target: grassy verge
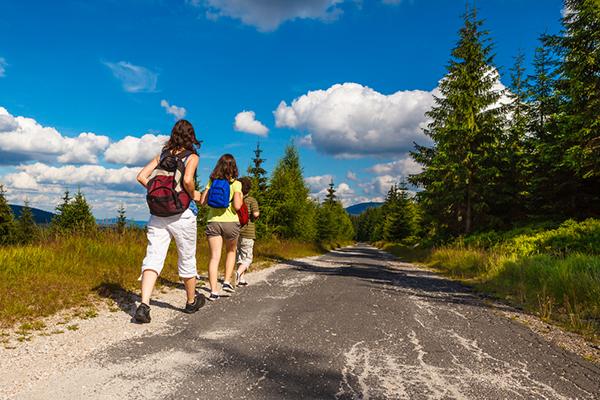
{"x": 41, "y": 279}
{"x": 554, "y": 273}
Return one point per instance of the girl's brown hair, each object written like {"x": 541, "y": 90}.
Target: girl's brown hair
{"x": 226, "y": 168}
{"x": 183, "y": 137}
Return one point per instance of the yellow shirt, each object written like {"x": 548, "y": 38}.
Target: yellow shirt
{"x": 225, "y": 214}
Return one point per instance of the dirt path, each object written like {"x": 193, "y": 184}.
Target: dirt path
{"x": 353, "y": 324}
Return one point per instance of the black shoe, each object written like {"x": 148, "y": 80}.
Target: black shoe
{"x": 228, "y": 288}
{"x": 142, "y": 314}
{"x": 198, "y": 303}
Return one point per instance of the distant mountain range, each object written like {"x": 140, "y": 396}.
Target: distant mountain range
{"x": 359, "y": 208}
{"x": 39, "y": 216}
{"x": 45, "y": 217}
{"x": 113, "y": 221}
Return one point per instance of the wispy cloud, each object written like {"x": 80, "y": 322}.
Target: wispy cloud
{"x": 177, "y": 112}
{"x": 3, "y": 65}
{"x": 134, "y": 78}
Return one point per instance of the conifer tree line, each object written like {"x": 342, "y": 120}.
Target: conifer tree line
{"x": 505, "y": 157}
{"x": 288, "y": 211}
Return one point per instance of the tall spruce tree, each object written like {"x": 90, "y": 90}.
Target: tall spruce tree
{"x": 579, "y": 46}
{"x": 579, "y": 89}
{"x": 550, "y": 181}
{"x": 399, "y": 215}
{"x": 7, "y": 220}
{"x": 461, "y": 172}
{"x": 28, "y": 231}
{"x": 517, "y": 170}
{"x": 291, "y": 211}
{"x": 259, "y": 191}
{"x": 258, "y": 174}
{"x": 121, "y": 218}
{"x": 84, "y": 220}
{"x": 330, "y": 197}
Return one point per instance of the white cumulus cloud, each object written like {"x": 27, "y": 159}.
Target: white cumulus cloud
{"x": 30, "y": 176}
{"x": 24, "y": 138}
{"x": 319, "y": 182}
{"x": 246, "y": 121}
{"x": 134, "y": 78}
{"x": 177, "y": 112}
{"x": 402, "y": 167}
{"x": 351, "y": 175}
{"x": 267, "y": 15}
{"x": 135, "y": 151}
{"x": 352, "y": 120}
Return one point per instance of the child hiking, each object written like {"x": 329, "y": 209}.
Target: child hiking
{"x": 169, "y": 179}
{"x": 247, "y": 234}
{"x": 223, "y": 195}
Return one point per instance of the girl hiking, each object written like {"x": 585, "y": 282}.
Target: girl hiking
{"x": 247, "y": 234}
{"x": 223, "y": 195}
{"x": 170, "y": 181}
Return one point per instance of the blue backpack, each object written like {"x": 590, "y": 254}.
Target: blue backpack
{"x": 218, "y": 194}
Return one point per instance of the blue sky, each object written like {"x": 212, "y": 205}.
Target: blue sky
{"x": 103, "y": 68}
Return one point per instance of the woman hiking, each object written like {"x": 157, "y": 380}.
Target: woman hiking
{"x": 223, "y": 195}
{"x": 170, "y": 180}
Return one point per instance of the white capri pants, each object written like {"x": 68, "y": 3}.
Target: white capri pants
{"x": 183, "y": 229}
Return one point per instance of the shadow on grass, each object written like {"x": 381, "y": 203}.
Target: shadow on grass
{"x": 126, "y": 299}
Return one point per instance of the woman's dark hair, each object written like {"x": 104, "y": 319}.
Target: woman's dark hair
{"x": 182, "y": 137}
{"x": 226, "y": 168}
{"x": 246, "y": 184}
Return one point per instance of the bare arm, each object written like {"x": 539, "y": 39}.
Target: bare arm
{"x": 189, "y": 183}
{"x": 143, "y": 175}
{"x": 237, "y": 200}
{"x": 204, "y": 197}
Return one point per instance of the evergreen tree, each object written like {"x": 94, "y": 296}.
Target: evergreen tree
{"x": 74, "y": 215}
{"x": 84, "y": 220}
{"x": 258, "y": 174}
{"x": 399, "y": 215}
{"x": 121, "y": 219}
{"x": 330, "y": 197}
{"x": 28, "y": 230}
{"x": 579, "y": 85}
{"x": 550, "y": 182}
{"x": 7, "y": 220}
{"x": 541, "y": 91}
{"x": 579, "y": 112}
{"x": 517, "y": 170}
{"x": 461, "y": 172}
{"x": 63, "y": 217}
{"x": 259, "y": 190}
{"x": 333, "y": 222}
{"x": 291, "y": 211}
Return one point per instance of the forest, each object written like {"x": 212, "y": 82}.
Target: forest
{"x": 509, "y": 193}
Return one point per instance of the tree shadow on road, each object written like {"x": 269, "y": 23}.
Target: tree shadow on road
{"x": 372, "y": 268}
{"x": 273, "y": 372}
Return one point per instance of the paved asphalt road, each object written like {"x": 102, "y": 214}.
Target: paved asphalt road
{"x": 353, "y": 324}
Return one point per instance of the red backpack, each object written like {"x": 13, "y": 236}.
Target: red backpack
{"x": 243, "y": 214}
{"x": 166, "y": 194}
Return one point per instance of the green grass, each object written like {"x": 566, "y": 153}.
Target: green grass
{"x": 552, "y": 271}
{"x": 40, "y": 279}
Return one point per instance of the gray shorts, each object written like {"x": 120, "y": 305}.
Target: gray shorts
{"x": 228, "y": 230}
{"x": 244, "y": 251}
